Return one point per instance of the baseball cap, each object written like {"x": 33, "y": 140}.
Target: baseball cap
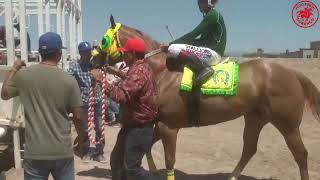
{"x": 84, "y": 47}
{"x": 133, "y": 44}
{"x": 49, "y": 43}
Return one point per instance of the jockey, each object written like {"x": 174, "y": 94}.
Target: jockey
{"x": 210, "y": 33}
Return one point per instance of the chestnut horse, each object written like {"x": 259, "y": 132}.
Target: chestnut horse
{"x": 267, "y": 93}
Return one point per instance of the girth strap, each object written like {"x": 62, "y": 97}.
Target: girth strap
{"x": 194, "y": 106}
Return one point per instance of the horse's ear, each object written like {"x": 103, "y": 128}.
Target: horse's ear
{"x": 113, "y": 24}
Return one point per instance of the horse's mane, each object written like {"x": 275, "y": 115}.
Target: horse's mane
{"x": 151, "y": 44}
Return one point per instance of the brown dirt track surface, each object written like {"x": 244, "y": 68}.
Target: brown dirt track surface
{"x": 212, "y": 152}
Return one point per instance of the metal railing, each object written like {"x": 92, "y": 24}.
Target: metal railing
{"x": 16, "y": 12}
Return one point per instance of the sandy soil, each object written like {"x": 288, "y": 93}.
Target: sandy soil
{"x": 212, "y": 152}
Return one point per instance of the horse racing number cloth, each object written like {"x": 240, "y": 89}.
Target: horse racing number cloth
{"x": 223, "y": 82}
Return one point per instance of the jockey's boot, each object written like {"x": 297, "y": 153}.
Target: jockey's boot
{"x": 202, "y": 71}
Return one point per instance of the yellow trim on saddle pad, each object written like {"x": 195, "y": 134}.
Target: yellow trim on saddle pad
{"x": 223, "y": 82}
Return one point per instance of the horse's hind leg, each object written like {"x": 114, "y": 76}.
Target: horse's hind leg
{"x": 168, "y": 136}
{"x": 286, "y": 117}
{"x": 151, "y": 164}
{"x": 254, "y": 122}
{"x": 293, "y": 139}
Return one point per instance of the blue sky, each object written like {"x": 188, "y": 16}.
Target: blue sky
{"x": 250, "y": 24}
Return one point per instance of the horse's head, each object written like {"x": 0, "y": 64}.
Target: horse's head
{"x": 106, "y": 52}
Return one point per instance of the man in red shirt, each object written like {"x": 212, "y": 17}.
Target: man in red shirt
{"x": 138, "y": 95}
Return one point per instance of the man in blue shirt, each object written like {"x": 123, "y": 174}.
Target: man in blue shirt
{"x": 80, "y": 70}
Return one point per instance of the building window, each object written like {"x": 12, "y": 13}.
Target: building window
{"x": 309, "y": 56}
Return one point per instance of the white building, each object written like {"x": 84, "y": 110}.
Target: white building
{"x": 16, "y": 11}
{"x": 308, "y": 53}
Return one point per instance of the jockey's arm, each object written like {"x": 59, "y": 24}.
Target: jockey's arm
{"x": 190, "y": 38}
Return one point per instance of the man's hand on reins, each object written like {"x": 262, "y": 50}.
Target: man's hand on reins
{"x": 115, "y": 71}
{"x": 97, "y": 76}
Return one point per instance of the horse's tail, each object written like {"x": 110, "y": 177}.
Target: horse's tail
{"x": 312, "y": 94}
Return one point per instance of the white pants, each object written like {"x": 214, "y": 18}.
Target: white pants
{"x": 204, "y": 54}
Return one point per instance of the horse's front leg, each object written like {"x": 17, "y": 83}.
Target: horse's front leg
{"x": 168, "y": 136}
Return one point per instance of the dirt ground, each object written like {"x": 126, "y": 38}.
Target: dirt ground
{"x": 212, "y": 152}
